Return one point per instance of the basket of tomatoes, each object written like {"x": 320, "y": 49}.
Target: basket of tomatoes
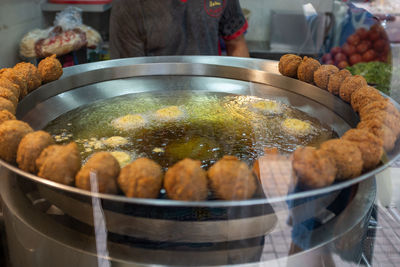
{"x": 364, "y": 45}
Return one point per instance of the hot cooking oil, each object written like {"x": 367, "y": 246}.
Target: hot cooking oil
{"x": 168, "y": 127}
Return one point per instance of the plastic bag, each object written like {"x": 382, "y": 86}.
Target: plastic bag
{"x": 348, "y": 18}
{"x": 360, "y": 44}
{"x": 27, "y": 44}
{"x": 357, "y": 37}
{"x": 92, "y": 36}
{"x": 60, "y": 42}
{"x": 69, "y": 18}
{"x": 68, "y": 34}
{"x": 355, "y": 18}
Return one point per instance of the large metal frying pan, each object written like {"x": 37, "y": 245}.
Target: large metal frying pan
{"x": 87, "y": 83}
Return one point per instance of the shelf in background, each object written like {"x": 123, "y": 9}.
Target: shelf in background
{"x": 85, "y": 8}
{"x": 261, "y": 49}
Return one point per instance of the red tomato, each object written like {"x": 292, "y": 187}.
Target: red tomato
{"x": 362, "y": 47}
{"x": 342, "y": 64}
{"x": 340, "y": 57}
{"x": 377, "y": 27}
{"x": 326, "y": 57}
{"x": 384, "y": 36}
{"x": 348, "y": 49}
{"x": 373, "y": 35}
{"x": 355, "y": 58}
{"x": 329, "y": 62}
{"x": 368, "y": 43}
{"x": 368, "y": 56}
{"x": 353, "y": 39}
{"x": 335, "y": 50}
{"x": 362, "y": 33}
{"x": 379, "y": 45}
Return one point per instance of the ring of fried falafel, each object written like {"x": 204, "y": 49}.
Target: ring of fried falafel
{"x": 229, "y": 178}
{"x": 359, "y": 149}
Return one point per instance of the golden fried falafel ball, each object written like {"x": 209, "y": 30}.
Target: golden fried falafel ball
{"x": 6, "y": 115}
{"x": 6, "y": 83}
{"x": 347, "y": 156}
{"x": 296, "y": 127}
{"x": 306, "y": 69}
{"x": 336, "y": 79}
{"x": 231, "y": 179}
{"x": 47, "y": 153}
{"x": 9, "y": 95}
{"x": 29, "y": 149}
{"x": 16, "y": 78}
{"x": 50, "y": 69}
{"x": 380, "y": 130}
{"x": 141, "y": 179}
{"x": 363, "y": 96}
{"x": 59, "y": 163}
{"x": 313, "y": 168}
{"x": 169, "y": 113}
{"x": 186, "y": 180}
{"x": 11, "y": 133}
{"x": 105, "y": 169}
{"x": 322, "y": 74}
{"x": 288, "y": 65}
{"x": 391, "y": 121}
{"x": 33, "y": 78}
{"x": 350, "y": 85}
{"x": 380, "y": 105}
{"x": 128, "y": 122}
{"x": 369, "y": 145}
{"x": 7, "y": 105}
{"x": 115, "y": 141}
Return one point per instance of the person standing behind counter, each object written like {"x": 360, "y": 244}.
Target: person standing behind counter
{"x": 176, "y": 27}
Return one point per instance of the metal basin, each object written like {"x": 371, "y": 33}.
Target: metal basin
{"x": 87, "y": 83}
{"x": 162, "y": 220}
